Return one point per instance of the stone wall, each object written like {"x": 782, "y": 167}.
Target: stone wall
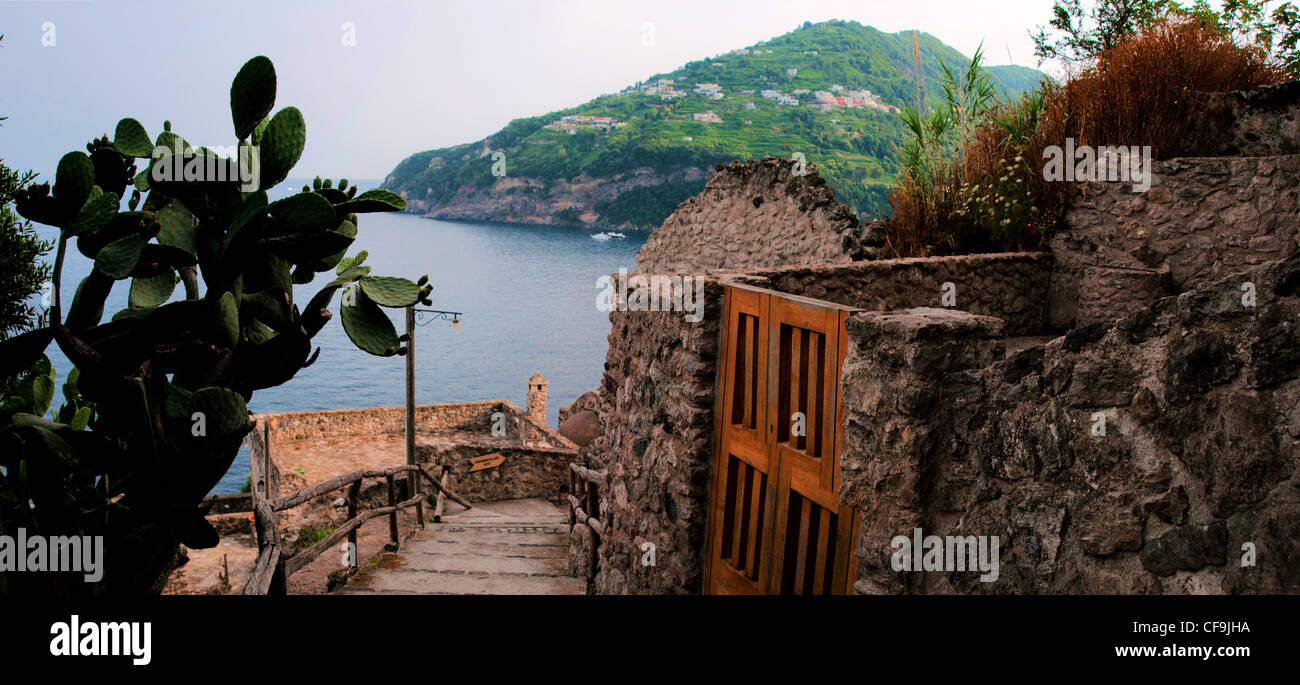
{"x": 660, "y": 386}
{"x": 1251, "y": 123}
{"x": 1010, "y": 286}
{"x": 527, "y": 472}
{"x": 1199, "y": 395}
{"x": 758, "y": 214}
{"x": 657, "y": 400}
{"x": 470, "y": 417}
{"x": 1201, "y": 219}
{"x": 462, "y": 424}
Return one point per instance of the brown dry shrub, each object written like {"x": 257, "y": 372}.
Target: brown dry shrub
{"x": 1143, "y": 91}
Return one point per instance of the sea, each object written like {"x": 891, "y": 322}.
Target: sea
{"x": 526, "y": 296}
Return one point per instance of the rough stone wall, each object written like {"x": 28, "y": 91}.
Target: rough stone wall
{"x": 1199, "y": 456}
{"x": 660, "y": 386}
{"x": 757, "y": 214}
{"x": 1010, "y": 286}
{"x": 657, "y": 403}
{"x": 1201, "y": 219}
{"x": 525, "y": 473}
{"x": 1252, "y": 123}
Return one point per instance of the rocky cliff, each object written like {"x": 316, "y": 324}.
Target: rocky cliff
{"x": 522, "y": 199}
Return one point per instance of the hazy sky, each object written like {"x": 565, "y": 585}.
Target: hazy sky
{"x": 422, "y": 74}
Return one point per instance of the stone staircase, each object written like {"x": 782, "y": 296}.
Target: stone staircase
{"x": 515, "y": 547}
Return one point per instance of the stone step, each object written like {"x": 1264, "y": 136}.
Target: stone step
{"x": 503, "y": 521}
{"x": 533, "y": 538}
{"x": 505, "y": 530}
{"x": 499, "y": 548}
{"x": 401, "y": 582}
{"x": 482, "y": 563}
{"x": 542, "y": 549}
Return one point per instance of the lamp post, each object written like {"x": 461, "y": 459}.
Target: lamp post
{"x": 411, "y": 322}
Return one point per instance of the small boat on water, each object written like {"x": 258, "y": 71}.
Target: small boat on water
{"x": 607, "y": 235}
{"x": 616, "y": 235}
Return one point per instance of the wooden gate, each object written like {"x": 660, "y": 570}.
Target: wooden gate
{"x": 776, "y": 525}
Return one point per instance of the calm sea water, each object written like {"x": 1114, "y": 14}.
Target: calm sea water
{"x": 528, "y": 294}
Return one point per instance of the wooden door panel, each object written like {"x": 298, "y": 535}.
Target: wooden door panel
{"x": 741, "y": 511}
{"x": 776, "y": 524}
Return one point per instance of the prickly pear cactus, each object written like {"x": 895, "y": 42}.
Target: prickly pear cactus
{"x": 158, "y": 401}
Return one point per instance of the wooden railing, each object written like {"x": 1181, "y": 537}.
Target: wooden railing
{"x": 590, "y": 482}
{"x": 274, "y": 566}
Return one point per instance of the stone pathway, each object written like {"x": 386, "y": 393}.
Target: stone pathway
{"x": 516, "y": 547}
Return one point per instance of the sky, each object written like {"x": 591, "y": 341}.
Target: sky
{"x": 382, "y": 79}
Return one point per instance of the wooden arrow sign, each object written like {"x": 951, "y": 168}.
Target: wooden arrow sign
{"x": 485, "y": 462}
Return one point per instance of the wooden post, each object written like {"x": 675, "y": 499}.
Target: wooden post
{"x": 353, "y": 493}
{"x": 442, "y": 497}
{"x": 412, "y": 481}
{"x": 392, "y": 518}
{"x": 266, "y": 459}
{"x": 279, "y": 581}
{"x": 573, "y": 477}
{"x": 593, "y": 511}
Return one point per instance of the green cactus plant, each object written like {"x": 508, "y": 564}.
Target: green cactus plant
{"x": 156, "y": 408}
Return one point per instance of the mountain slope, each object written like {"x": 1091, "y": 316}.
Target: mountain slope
{"x": 824, "y": 91}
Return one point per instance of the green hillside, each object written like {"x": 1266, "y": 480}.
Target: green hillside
{"x": 853, "y": 140}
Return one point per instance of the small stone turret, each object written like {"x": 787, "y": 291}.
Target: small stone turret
{"x": 536, "y": 399}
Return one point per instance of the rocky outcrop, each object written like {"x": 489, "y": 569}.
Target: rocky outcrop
{"x": 759, "y": 214}
{"x": 527, "y": 200}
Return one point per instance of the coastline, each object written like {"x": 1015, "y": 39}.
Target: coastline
{"x": 503, "y": 222}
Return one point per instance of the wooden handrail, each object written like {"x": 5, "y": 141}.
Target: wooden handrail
{"x": 597, "y": 477}
{"x": 326, "y": 486}
{"x": 274, "y": 567}
{"x": 591, "y": 482}
{"x": 583, "y": 517}
{"x": 306, "y": 556}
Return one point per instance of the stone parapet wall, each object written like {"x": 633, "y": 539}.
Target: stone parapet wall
{"x": 1198, "y": 456}
{"x": 336, "y": 423}
{"x": 1202, "y": 218}
{"x": 1012, "y": 287}
{"x": 470, "y": 417}
{"x": 527, "y": 472}
{"x": 464, "y": 426}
